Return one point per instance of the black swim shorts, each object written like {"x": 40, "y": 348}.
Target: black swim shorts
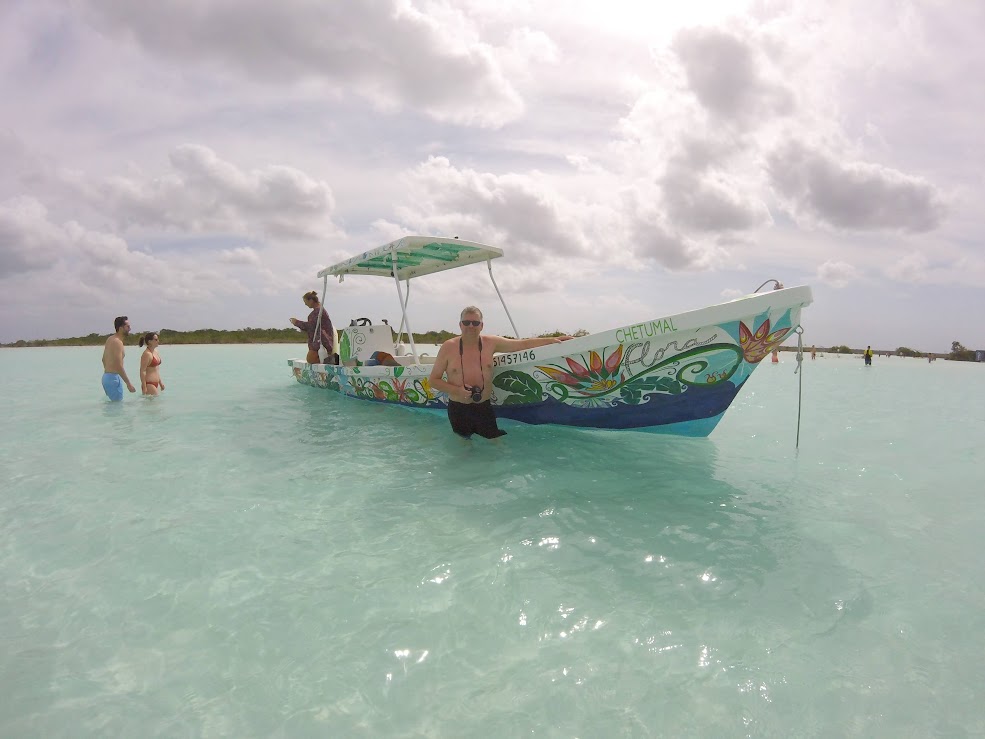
{"x": 473, "y": 418}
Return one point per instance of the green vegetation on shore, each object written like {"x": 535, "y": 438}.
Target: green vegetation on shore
{"x": 220, "y": 336}
{"x": 198, "y": 336}
{"x": 212, "y": 336}
{"x": 958, "y": 352}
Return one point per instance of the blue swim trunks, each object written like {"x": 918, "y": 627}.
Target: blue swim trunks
{"x": 113, "y": 385}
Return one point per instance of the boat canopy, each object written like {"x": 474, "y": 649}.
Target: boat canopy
{"x": 415, "y": 256}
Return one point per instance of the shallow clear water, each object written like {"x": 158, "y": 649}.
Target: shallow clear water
{"x": 245, "y": 556}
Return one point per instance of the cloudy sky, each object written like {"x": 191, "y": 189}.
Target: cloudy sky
{"x": 194, "y": 164}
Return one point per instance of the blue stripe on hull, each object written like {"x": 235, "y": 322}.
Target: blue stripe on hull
{"x": 692, "y": 413}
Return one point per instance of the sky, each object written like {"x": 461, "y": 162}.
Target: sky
{"x": 195, "y": 164}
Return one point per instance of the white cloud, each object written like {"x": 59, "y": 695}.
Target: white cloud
{"x": 241, "y": 255}
{"x": 837, "y": 274}
{"x": 389, "y": 51}
{"x": 32, "y": 246}
{"x": 929, "y": 268}
{"x": 521, "y": 210}
{"x": 728, "y": 78}
{"x": 910, "y": 268}
{"x": 853, "y": 195}
{"x": 205, "y": 194}
{"x": 712, "y": 201}
{"x": 28, "y": 241}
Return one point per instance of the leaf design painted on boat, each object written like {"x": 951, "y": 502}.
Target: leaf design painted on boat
{"x": 632, "y": 392}
{"x": 519, "y": 383}
{"x": 397, "y": 371}
{"x": 345, "y": 350}
{"x": 521, "y": 400}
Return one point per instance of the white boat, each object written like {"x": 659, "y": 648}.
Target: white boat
{"x": 674, "y": 374}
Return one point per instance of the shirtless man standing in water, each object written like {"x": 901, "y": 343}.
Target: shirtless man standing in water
{"x": 113, "y": 373}
{"x": 467, "y": 363}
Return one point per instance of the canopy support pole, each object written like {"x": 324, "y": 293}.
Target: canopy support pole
{"x": 403, "y": 304}
{"x": 516, "y": 333}
{"x": 404, "y": 309}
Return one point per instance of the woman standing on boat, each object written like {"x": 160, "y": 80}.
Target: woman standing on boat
{"x": 327, "y": 332}
{"x": 150, "y": 361}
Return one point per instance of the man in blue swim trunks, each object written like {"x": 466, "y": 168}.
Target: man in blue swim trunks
{"x": 114, "y": 376}
{"x": 467, "y": 363}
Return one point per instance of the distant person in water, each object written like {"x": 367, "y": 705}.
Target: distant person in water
{"x": 150, "y": 361}
{"x": 114, "y": 376}
{"x": 463, "y": 369}
{"x": 867, "y": 355}
{"x": 813, "y": 352}
{"x": 326, "y": 335}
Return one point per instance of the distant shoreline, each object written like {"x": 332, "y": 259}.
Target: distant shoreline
{"x": 132, "y": 345}
{"x": 206, "y": 336}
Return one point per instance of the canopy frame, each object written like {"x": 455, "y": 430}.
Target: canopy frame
{"x": 416, "y": 256}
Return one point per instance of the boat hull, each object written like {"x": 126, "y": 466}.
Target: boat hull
{"x": 676, "y": 374}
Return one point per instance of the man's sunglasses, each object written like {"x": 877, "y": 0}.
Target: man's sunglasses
{"x": 471, "y": 323}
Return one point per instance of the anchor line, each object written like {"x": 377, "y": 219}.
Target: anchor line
{"x": 800, "y": 381}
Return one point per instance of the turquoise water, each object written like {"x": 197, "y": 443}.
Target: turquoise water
{"x": 245, "y": 556}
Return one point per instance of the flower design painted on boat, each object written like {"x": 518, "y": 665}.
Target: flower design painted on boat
{"x": 425, "y": 388}
{"x": 362, "y": 388}
{"x": 400, "y": 390}
{"x": 596, "y": 375}
{"x": 756, "y": 346}
{"x": 407, "y": 391}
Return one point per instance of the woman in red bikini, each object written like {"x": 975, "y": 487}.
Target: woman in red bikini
{"x": 150, "y": 360}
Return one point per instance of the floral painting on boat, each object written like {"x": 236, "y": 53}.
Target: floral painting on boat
{"x": 680, "y": 376}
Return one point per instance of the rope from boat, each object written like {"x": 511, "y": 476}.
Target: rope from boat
{"x": 777, "y": 285}
{"x": 800, "y": 382}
